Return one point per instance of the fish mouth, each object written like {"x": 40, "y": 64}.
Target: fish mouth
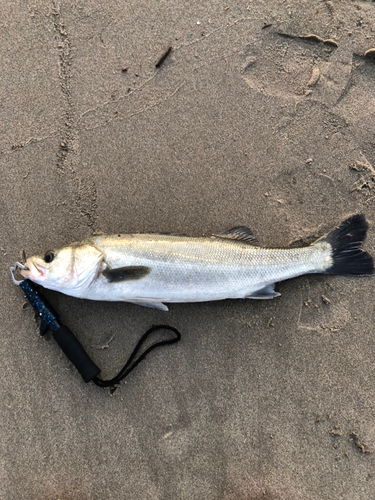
{"x": 33, "y": 270}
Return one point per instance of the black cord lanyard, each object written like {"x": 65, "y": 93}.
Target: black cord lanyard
{"x": 129, "y": 366}
{"x": 74, "y": 350}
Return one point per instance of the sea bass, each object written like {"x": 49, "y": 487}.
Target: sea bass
{"x": 154, "y": 269}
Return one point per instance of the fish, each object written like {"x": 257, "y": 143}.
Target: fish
{"x": 153, "y": 270}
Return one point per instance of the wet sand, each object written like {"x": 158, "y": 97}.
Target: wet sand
{"x": 260, "y": 115}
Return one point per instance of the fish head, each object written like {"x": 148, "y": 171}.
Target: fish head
{"x": 69, "y": 269}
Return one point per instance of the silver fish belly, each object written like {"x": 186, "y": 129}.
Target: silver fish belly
{"x": 184, "y": 269}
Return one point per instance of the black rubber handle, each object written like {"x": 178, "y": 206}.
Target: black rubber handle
{"x": 74, "y": 350}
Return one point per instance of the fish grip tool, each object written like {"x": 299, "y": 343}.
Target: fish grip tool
{"x": 72, "y": 347}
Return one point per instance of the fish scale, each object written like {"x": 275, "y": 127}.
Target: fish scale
{"x": 223, "y": 268}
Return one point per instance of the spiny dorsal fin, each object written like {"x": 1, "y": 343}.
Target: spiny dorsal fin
{"x": 240, "y": 233}
{"x": 127, "y": 273}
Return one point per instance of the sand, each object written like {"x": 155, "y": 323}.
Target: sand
{"x": 261, "y": 115}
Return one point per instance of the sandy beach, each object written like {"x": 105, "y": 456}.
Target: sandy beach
{"x": 261, "y": 114}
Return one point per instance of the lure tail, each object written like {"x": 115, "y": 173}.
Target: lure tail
{"x": 346, "y": 241}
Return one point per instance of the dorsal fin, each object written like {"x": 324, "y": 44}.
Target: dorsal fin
{"x": 240, "y": 233}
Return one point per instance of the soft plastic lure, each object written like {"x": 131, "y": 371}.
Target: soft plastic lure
{"x": 71, "y": 346}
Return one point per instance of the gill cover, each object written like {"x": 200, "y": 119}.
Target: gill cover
{"x": 72, "y": 268}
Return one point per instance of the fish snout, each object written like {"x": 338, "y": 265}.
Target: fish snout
{"x": 34, "y": 270}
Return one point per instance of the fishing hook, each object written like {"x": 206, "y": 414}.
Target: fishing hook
{"x": 17, "y": 265}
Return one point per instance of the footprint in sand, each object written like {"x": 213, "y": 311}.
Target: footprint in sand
{"x": 296, "y": 67}
{"x": 357, "y": 101}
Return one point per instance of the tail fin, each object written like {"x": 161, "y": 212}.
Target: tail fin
{"x": 346, "y": 241}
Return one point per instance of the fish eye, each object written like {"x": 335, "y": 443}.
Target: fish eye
{"x": 49, "y": 256}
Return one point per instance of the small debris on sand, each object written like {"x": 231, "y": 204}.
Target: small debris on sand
{"x": 315, "y": 76}
{"x": 325, "y": 299}
{"x": 358, "y": 443}
{"x": 163, "y": 57}
{"x": 335, "y": 432}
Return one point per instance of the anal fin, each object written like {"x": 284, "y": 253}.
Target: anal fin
{"x": 267, "y": 292}
{"x": 151, "y": 304}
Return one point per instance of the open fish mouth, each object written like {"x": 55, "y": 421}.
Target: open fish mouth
{"x": 31, "y": 269}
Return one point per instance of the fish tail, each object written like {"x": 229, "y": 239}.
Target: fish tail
{"x": 346, "y": 240}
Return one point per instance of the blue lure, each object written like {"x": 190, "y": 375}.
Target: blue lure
{"x": 69, "y": 343}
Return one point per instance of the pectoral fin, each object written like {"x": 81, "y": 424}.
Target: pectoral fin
{"x": 128, "y": 273}
{"x": 268, "y": 292}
